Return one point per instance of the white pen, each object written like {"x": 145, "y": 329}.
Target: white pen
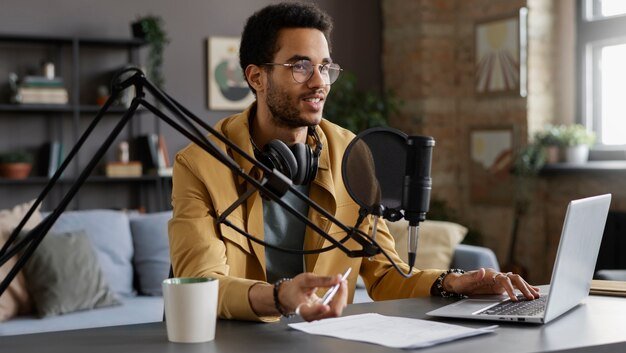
{"x": 331, "y": 292}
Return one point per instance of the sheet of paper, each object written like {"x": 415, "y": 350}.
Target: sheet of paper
{"x": 390, "y": 331}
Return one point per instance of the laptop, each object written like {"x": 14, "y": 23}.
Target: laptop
{"x": 571, "y": 276}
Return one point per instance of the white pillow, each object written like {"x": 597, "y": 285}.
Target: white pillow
{"x": 435, "y": 245}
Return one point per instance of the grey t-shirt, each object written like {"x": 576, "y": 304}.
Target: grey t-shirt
{"x": 285, "y": 230}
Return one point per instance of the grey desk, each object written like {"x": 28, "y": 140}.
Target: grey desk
{"x": 597, "y": 325}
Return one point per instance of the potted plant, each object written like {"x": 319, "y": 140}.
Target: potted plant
{"x": 577, "y": 140}
{"x": 358, "y": 110}
{"x": 551, "y": 139}
{"x": 16, "y": 164}
{"x": 150, "y": 28}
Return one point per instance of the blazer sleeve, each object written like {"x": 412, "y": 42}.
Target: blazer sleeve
{"x": 197, "y": 250}
{"x": 382, "y": 280}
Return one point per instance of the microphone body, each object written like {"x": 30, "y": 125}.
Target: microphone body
{"x": 417, "y": 187}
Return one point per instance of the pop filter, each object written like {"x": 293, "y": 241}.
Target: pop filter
{"x": 387, "y": 173}
{"x": 373, "y": 168}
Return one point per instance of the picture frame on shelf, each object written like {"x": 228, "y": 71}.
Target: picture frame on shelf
{"x": 500, "y": 54}
{"x": 492, "y": 155}
{"x": 227, "y": 88}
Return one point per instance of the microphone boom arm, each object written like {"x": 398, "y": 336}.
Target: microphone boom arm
{"x": 273, "y": 185}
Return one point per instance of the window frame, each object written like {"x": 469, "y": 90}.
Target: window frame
{"x": 592, "y": 34}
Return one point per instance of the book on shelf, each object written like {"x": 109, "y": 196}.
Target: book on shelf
{"x": 41, "y": 81}
{"x": 41, "y": 95}
{"x": 123, "y": 169}
{"x": 151, "y": 151}
{"x": 50, "y": 158}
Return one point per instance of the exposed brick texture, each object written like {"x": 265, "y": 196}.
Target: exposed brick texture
{"x": 428, "y": 60}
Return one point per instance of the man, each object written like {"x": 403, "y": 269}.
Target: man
{"x": 286, "y": 59}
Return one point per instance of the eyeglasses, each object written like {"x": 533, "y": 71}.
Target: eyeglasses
{"x": 302, "y": 71}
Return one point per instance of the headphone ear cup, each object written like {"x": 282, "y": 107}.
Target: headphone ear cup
{"x": 281, "y": 158}
{"x": 302, "y": 154}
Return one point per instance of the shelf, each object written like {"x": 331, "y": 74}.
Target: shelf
{"x": 58, "y": 108}
{"x": 88, "y": 42}
{"x": 591, "y": 167}
{"x": 92, "y": 179}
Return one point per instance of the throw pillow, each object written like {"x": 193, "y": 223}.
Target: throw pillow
{"x": 15, "y": 300}
{"x": 109, "y": 233}
{"x": 64, "y": 276}
{"x": 152, "y": 251}
{"x": 435, "y": 245}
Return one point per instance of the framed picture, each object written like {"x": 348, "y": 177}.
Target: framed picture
{"x": 227, "y": 88}
{"x": 491, "y": 161}
{"x": 500, "y": 55}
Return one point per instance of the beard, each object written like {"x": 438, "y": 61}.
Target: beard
{"x": 284, "y": 111}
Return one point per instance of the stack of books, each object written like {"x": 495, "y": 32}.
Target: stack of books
{"x": 123, "y": 169}
{"x": 41, "y": 90}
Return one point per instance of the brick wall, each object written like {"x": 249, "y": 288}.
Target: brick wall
{"x": 428, "y": 60}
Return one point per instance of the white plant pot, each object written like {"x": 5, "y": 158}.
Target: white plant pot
{"x": 577, "y": 154}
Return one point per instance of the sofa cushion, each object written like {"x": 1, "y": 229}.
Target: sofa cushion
{"x": 152, "y": 256}
{"x": 15, "y": 300}
{"x": 134, "y": 310}
{"x": 64, "y": 276}
{"x": 435, "y": 245}
{"x": 109, "y": 233}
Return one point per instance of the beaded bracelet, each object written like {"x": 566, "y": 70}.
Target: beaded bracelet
{"x": 277, "y": 301}
{"x": 439, "y": 284}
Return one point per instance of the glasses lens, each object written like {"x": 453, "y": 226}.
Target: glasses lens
{"x": 302, "y": 70}
{"x": 333, "y": 72}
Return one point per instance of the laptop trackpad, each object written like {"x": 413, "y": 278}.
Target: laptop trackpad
{"x": 465, "y": 307}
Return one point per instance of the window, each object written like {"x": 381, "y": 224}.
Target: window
{"x": 602, "y": 58}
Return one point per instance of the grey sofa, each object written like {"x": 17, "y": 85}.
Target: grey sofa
{"x": 133, "y": 253}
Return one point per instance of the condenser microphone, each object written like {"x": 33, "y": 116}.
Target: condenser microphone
{"x": 416, "y": 188}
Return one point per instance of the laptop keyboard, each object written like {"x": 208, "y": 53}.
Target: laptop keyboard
{"x": 523, "y": 307}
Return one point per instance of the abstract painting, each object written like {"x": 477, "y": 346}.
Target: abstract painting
{"x": 228, "y": 89}
{"x": 491, "y": 162}
{"x": 500, "y": 53}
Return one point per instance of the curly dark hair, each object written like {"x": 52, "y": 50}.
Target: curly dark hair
{"x": 258, "y": 40}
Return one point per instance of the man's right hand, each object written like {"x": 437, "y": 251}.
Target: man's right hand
{"x": 299, "y": 293}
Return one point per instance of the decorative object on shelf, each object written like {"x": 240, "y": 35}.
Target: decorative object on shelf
{"x": 15, "y": 165}
{"x": 150, "y": 28}
{"x": 357, "y": 110}
{"x": 500, "y": 55}
{"x": 577, "y": 140}
{"x": 102, "y": 95}
{"x": 123, "y": 155}
{"x": 491, "y": 161}
{"x": 227, "y": 88}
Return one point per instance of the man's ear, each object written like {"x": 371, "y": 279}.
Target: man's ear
{"x": 255, "y": 77}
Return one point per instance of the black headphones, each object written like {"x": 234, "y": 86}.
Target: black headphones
{"x": 298, "y": 162}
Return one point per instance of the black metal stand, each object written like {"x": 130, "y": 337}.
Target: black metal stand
{"x": 273, "y": 184}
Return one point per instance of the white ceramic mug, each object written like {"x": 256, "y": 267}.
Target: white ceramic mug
{"x": 190, "y": 309}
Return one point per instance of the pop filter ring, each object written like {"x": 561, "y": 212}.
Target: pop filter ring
{"x": 391, "y": 213}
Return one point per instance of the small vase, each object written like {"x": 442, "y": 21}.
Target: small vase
{"x": 137, "y": 30}
{"x": 552, "y": 154}
{"x": 15, "y": 170}
{"x": 577, "y": 154}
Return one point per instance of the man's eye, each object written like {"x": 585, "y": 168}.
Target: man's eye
{"x": 299, "y": 67}
{"x": 324, "y": 68}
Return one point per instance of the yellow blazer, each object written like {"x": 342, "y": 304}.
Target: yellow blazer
{"x": 203, "y": 188}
